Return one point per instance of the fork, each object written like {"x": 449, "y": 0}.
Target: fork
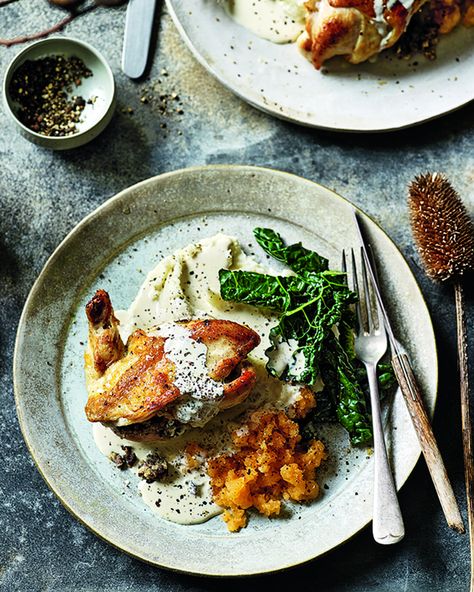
{"x": 370, "y": 345}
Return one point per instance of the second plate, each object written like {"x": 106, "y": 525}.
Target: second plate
{"x": 385, "y": 95}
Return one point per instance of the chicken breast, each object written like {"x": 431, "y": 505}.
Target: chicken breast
{"x": 183, "y": 373}
{"x": 356, "y": 29}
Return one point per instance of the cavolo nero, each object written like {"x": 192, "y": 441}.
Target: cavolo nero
{"x": 314, "y": 337}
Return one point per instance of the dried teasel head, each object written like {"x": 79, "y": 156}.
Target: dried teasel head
{"x": 442, "y": 228}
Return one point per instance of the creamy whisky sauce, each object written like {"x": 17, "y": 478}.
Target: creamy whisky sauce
{"x": 383, "y": 27}
{"x": 185, "y": 286}
{"x": 189, "y": 357}
{"x": 279, "y": 21}
{"x": 184, "y": 496}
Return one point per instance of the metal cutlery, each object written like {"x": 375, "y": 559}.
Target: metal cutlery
{"x": 414, "y": 401}
{"x": 137, "y": 36}
{"x": 370, "y": 346}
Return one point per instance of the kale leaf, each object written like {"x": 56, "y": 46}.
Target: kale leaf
{"x": 310, "y": 305}
{"x": 295, "y": 256}
{"x": 329, "y": 410}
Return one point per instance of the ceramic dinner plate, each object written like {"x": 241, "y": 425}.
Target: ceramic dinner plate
{"x": 385, "y": 95}
{"x": 114, "y": 248}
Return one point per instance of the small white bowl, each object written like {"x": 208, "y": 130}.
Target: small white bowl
{"x": 101, "y": 85}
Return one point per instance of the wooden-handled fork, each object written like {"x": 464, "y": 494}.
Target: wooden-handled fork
{"x": 414, "y": 401}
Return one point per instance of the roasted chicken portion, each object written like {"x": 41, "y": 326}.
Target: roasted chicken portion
{"x": 133, "y": 387}
{"x": 356, "y": 29}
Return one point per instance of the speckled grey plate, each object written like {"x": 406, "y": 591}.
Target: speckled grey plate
{"x": 386, "y": 95}
{"x": 113, "y": 248}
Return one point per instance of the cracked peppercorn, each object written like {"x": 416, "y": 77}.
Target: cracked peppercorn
{"x": 43, "y": 90}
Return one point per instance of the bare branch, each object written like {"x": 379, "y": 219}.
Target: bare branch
{"x": 50, "y": 30}
{"x": 5, "y": 2}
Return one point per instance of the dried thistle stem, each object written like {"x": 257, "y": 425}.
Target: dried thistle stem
{"x": 49, "y": 31}
{"x": 466, "y": 416}
{"x": 444, "y": 235}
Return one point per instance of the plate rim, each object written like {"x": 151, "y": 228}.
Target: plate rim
{"x": 37, "y": 285}
{"x": 264, "y": 108}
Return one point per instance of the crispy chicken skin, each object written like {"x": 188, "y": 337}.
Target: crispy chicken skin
{"x": 349, "y": 28}
{"x": 134, "y": 383}
{"x": 104, "y": 339}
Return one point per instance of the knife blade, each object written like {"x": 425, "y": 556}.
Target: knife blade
{"x": 137, "y": 36}
{"x": 416, "y": 407}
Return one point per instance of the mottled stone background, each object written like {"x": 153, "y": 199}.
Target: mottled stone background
{"x": 44, "y": 194}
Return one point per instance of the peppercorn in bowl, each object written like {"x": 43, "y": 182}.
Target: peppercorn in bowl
{"x": 60, "y": 93}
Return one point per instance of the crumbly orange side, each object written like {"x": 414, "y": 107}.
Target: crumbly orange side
{"x": 268, "y": 466}
{"x": 303, "y": 404}
{"x": 194, "y": 455}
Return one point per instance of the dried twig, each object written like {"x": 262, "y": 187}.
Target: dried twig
{"x": 54, "y": 29}
{"x": 5, "y": 2}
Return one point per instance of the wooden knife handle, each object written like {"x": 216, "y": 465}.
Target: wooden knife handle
{"x": 413, "y": 398}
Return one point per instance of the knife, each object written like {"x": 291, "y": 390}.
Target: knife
{"x": 416, "y": 407}
{"x": 137, "y": 36}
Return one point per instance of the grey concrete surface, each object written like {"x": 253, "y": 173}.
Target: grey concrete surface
{"x": 44, "y": 194}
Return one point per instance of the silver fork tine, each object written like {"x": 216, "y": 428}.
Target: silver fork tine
{"x": 368, "y": 302}
{"x": 414, "y": 400}
{"x": 370, "y": 345}
{"x": 370, "y": 261}
{"x": 355, "y": 288}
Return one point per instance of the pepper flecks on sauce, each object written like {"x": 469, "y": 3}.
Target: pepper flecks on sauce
{"x": 189, "y": 357}
{"x": 279, "y": 21}
{"x": 172, "y": 293}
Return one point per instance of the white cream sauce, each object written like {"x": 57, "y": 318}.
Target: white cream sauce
{"x": 184, "y": 496}
{"x": 279, "y": 21}
{"x": 383, "y": 27}
{"x": 189, "y": 356}
{"x": 186, "y": 286}
{"x": 283, "y": 21}
{"x": 379, "y": 20}
{"x": 282, "y": 356}
{"x": 288, "y": 355}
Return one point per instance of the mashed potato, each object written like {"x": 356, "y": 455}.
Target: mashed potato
{"x": 279, "y": 21}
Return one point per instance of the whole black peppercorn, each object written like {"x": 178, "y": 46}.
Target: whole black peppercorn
{"x": 43, "y": 88}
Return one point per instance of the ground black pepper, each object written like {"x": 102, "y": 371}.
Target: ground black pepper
{"x": 43, "y": 89}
